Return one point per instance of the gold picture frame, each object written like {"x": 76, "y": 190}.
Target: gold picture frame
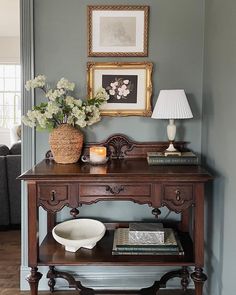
{"x": 117, "y": 30}
{"x": 129, "y": 86}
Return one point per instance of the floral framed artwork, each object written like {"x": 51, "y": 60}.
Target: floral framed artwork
{"x": 128, "y": 85}
{"x": 117, "y": 30}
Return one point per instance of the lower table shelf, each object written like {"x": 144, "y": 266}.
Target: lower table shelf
{"x": 52, "y": 253}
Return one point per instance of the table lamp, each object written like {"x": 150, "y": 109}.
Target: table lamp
{"x": 172, "y": 104}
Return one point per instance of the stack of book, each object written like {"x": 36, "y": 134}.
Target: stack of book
{"x": 123, "y": 244}
{"x": 186, "y": 158}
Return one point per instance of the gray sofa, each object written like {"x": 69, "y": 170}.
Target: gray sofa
{"x": 10, "y": 188}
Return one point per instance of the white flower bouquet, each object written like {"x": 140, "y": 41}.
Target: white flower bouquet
{"x": 62, "y": 107}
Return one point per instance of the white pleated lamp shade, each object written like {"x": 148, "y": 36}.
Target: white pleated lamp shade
{"x": 172, "y": 104}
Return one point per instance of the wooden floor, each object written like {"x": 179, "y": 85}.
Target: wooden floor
{"x": 10, "y": 268}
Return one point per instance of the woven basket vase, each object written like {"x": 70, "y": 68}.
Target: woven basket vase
{"x": 66, "y": 144}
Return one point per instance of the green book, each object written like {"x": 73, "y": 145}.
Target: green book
{"x": 147, "y": 247}
{"x": 118, "y": 252}
{"x": 122, "y": 246}
{"x": 186, "y": 158}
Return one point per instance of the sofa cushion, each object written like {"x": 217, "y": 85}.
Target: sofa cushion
{"x": 14, "y": 187}
{"x": 4, "y": 200}
{"x": 16, "y": 148}
{"x": 4, "y": 150}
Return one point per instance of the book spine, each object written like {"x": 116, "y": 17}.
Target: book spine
{"x": 147, "y": 249}
{"x": 147, "y": 253}
{"x": 172, "y": 161}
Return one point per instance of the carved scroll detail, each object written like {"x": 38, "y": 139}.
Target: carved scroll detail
{"x": 117, "y": 146}
{"x": 177, "y": 208}
{"x": 77, "y": 285}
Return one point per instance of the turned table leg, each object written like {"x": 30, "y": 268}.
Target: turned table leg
{"x": 33, "y": 280}
{"x": 185, "y": 278}
{"x": 51, "y": 276}
{"x": 199, "y": 278}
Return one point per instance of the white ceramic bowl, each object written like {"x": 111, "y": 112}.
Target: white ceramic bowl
{"x": 77, "y": 233}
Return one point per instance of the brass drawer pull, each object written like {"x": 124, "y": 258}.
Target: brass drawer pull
{"x": 115, "y": 190}
{"x": 53, "y": 195}
{"x": 178, "y": 198}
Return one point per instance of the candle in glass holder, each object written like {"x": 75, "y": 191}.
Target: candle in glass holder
{"x": 97, "y": 154}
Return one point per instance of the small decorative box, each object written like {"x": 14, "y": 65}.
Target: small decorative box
{"x": 146, "y": 233}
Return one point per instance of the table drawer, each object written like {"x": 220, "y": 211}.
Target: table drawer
{"x": 178, "y": 197}
{"x": 52, "y": 193}
{"x": 115, "y": 189}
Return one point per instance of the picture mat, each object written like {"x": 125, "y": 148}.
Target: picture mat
{"x": 139, "y": 15}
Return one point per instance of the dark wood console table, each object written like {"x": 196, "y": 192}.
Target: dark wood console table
{"x": 126, "y": 176}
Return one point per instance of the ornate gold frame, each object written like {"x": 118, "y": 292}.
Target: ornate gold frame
{"x": 93, "y": 66}
{"x": 91, "y": 8}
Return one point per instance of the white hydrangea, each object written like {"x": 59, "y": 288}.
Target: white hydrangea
{"x": 52, "y": 108}
{"x": 102, "y": 94}
{"x": 94, "y": 116}
{"x": 88, "y": 109}
{"x": 79, "y": 117}
{"x": 37, "y": 82}
{"x": 78, "y": 113}
{"x": 28, "y": 122}
{"x": 81, "y": 123}
{"x": 70, "y": 120}
{"x": 78, "y": 103}
{"x": 54, "y": 94}
{"x": 70, "y": 101}
{"x": 32, "y": 115}
{"x": 65, "y": 84}
{"x": 35, "y": 118}
{"x": 42, "y": 120}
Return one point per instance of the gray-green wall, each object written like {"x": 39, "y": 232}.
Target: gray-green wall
{"x": 219, "y": 144}
{"x": 176, "y": 39}
{"x": 175, "y": 48}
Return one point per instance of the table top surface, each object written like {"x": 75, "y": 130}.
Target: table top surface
{"x": 49, "y": 169}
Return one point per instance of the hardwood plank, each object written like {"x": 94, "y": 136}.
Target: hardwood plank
{"x": 9, "y": 262}
{"x": 162, "y": 292}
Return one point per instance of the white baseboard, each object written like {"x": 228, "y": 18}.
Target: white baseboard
{"x": 124, "y": 278}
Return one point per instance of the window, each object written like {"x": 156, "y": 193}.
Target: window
{"x": 10, "y": 95}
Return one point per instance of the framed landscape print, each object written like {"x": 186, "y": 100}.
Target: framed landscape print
{"x": 117, "y": 30}
{"x": 128, "y": 85}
